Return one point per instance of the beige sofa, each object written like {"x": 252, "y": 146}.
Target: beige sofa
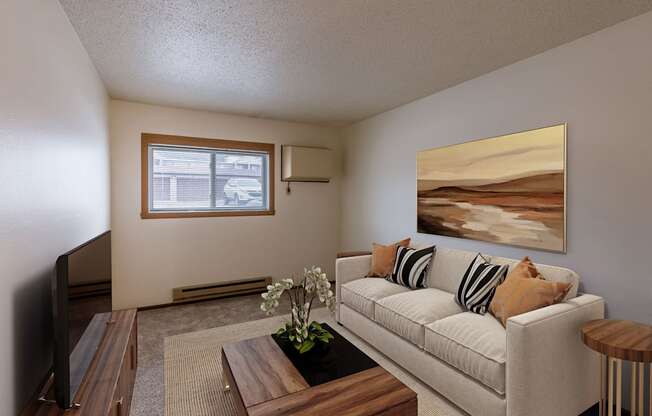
{"x": 536, "y": 366}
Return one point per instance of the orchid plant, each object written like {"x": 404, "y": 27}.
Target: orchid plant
{"x": 302, "y": 333}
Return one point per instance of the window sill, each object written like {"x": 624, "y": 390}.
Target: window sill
{"x": 200, "y": 214}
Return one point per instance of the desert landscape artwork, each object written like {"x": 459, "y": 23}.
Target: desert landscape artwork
{"x": 508, "y": 189}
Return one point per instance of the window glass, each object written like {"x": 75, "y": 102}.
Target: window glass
{"x": 239, "y": 181}
{"x": 187, "y": 179}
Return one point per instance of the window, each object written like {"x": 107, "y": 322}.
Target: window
{"x": 191, "y": 177}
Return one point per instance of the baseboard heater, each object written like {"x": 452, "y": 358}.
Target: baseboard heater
{"x": 220, "y": 290}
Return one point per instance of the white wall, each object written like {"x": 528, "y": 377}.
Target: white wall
{"x": 602, "y": 86}
{"x": 150, "y": 257}
{"x": 54, "y": 178}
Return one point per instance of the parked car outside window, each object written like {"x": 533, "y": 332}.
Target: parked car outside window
{"x": 243, "y": 191}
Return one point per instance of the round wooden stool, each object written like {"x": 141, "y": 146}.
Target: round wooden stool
{"x": 618, "y": 341}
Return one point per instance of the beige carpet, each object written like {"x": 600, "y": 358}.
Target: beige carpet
{"x": 193, "y": 369}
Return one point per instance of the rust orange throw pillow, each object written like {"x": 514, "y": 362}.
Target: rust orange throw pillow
{"x": 525, "y": 290}
{"x": 383, "y": 258}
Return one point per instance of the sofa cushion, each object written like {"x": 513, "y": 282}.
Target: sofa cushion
{"x": 412, "y": 267}
{"x": 525, "y": 290}
{"x": 474, "y": 344}
{"x": 361, "y": 294}
{"x": 383, "y": 258}
{"x": 407, "y": 313}
{"x": 448, "y": 267}
{"x": 479, "y": 283}
{"x": 551, "y": 273}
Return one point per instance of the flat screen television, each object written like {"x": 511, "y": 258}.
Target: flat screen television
{"x": 81, "y": 293}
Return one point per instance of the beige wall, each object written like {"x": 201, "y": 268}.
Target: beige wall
{"x": 54, "y": 178}
{"x": 601, "y": 85}
{"x": 150, "y": 257}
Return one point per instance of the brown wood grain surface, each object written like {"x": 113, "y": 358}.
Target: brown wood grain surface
{"x": 627, "y": 340}
{"x": 370, "y": 392}
{"x": 345, "y": 254}
{"x": 261, "y": 371}
{"x": 265, "y": 383}
{"x": 85, "y": 350}
{"x": 108, "y": 384}
{"x": 228, "y": 379}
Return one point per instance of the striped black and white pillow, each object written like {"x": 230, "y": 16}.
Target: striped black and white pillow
{"x": 411, "y": 267}
{"x": 479, "y": 283}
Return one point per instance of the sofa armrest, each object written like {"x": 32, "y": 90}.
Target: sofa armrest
{"x": 348, "y": 269}
{"x": 549, "y": 369}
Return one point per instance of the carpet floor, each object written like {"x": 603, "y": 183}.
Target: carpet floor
{"x": 193, "y": 369}
{"x": 155, "y": 325}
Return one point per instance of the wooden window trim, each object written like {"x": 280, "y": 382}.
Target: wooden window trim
{"x": 163, "y": 139}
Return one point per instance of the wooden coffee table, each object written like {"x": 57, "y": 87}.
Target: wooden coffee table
{"x": 342, "y": 381}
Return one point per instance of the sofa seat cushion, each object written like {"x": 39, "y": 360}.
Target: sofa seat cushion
{"x": 474, "y": 344}
{"x": 361, "y": 294}
{"x": 406, "y": 313}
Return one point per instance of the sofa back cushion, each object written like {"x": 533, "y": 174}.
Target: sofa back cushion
{"x": 551, "y": 273}
{"x": 448, "y": 267}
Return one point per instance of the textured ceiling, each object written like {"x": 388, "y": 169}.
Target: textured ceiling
{"x": 323, "y": 61}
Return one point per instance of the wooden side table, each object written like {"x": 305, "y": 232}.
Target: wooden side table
{"x": 621, "y": 340}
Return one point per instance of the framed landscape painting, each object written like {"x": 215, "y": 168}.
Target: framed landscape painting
{"x": 509, "y": 189}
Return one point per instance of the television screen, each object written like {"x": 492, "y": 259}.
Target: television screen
{"x": 82, "y": 306}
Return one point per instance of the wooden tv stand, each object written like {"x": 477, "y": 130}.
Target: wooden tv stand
{"x": 108, "y": 384}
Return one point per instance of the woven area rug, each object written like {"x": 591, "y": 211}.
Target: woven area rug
{"x": 193, "y": 369}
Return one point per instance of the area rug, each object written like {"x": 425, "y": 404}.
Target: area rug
{"x": 193, "y": 369}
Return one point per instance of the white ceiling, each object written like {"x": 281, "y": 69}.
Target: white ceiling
{"x": 321, "y": 61}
